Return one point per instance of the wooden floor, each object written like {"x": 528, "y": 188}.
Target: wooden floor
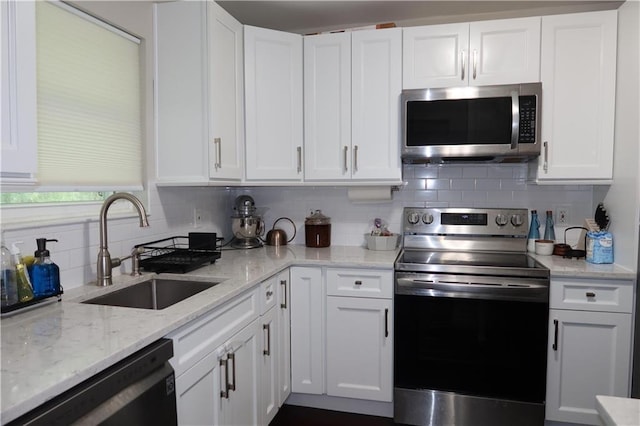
{"x": 290, "y": 415}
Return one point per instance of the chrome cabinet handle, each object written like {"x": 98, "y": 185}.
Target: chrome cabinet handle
{"x": 217, "y": 142}
{"x": 225, "y": 393}
{"x": 299, "y": 149}
{"x": 355, "y": 158}
{"x": 268, "y": 350}
{"x": 232, "y": 357}
{"x": 591, "y": 294}
{"x": 284, "y": 283}
{"x": 555, "y": 336}
{"x": 545, "y": 165}
{"x": 386, "y": 322}
{"x": 345, "y": 158}
{"x": 462, "y": 59}
{"x": 515, "y": 119}
{"x": 475, "y": 63}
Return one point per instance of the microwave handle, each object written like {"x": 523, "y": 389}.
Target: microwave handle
{"x": 515, "y": 119}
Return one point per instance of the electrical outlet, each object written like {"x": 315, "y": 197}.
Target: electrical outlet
{"x": 197, "y": 218}
{"x": 563, "y": 214}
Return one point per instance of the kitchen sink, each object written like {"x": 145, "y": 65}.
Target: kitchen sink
{"x": 156, "y": 293}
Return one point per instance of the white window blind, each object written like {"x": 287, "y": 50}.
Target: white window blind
{"x": 89, "y": 108}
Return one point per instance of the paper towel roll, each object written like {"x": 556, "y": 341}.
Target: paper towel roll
{"x": 370, "y": 194}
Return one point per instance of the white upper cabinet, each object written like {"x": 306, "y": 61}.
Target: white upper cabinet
{"x": 18, "y": 118}
{"x": 505, "y": 51}
{"x": 327, "y": 106}
{"x": 352, "y": 109}
{"x": 199, "y": 94}
{"x": 273, "y": 105}
{"x": 226, "y": 94}
{"x": 578, "y": 74}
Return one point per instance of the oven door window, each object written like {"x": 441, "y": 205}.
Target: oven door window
{"x": 487, "y": 348}
{"x": 485, "y": 121}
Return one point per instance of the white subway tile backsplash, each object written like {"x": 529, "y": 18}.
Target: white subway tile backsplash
{"x": 171, "y": 211}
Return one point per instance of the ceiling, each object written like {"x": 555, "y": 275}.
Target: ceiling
{"x": 306, "y": 17}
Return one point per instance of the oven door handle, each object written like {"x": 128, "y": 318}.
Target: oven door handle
{"x": 428, "y": 288}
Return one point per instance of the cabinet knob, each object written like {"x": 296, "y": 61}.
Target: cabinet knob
{"x": 269, "y": 293}
{"x": 591, "y": 294}
{"x": 358, "y": 282}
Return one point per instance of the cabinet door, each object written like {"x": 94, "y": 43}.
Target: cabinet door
{"x": 273, "y": 104}
{"x": 435, "y": 56}
{"x": 243, "y": 355}
{"x": 284, "y": 337}
{"x": 226, "y": 94}
{"x": 505, "y": 51}
{"x": 182, "y": 154}
{"x": 269, "y": 354}
{"x": 591, "y": 357}
{"x": 375, "y": 117}
{"x": 578, "y": 74}
{"x": 327, "y": 106}
{"x": 307, "y": 341}
{"x": 18, "y": 118}
{"x": 359, "y": 348}
{"x": 198, "y": 393}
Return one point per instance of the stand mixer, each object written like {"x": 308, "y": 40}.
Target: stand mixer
{"x": 246, "y": 225}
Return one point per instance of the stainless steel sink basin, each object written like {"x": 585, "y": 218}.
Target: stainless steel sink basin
{"x": 156, "y": 293}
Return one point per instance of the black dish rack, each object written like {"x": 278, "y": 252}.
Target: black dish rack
{"x": 179, "y": 254}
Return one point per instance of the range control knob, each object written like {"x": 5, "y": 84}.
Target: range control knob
{"x": 516, "y": 220}
{"x": 427, "y": 218}
{"x": 413, "y": 217}
{"x": 501, "y": 220}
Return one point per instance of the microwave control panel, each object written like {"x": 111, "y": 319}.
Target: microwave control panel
{"x": 527, "y": 119}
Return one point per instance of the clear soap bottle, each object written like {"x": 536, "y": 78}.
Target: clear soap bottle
{"x": 8, "y": 279}
{"x": 534, "y": 231}
{"x": 549, "y": 231}
{"x": 25, "y": 290}
{"x": 45, "y": 275}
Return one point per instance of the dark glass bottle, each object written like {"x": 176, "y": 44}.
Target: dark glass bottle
{"x": 534, "y": 231}
{"x": 549, "y": 231}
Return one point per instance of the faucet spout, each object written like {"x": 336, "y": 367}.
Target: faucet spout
{"x": 105, "y": 264}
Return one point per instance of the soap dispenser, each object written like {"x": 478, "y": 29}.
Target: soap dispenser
{"x": 25, "y": 290}
{"x": 45, "y": 275}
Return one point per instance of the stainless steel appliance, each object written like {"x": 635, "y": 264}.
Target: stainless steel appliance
{"x": 139, "y": 390}
{"x": 471, "y": 320}
{"x": 487, "y": 123}
{"x": 246, "y": 225}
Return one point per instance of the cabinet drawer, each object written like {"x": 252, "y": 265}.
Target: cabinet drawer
{"x": 592, "y": 295}
{"x": 195, "y": 340}
{"x": 360, "y": 283}
{"x": 268, "y": 294}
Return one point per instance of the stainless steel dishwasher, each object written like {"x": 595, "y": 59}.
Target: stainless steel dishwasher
{"x": 139, "y": 390}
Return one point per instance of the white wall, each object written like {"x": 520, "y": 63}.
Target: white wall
{"x": 623, "y": 198}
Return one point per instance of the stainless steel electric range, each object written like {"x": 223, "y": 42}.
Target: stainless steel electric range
{"x": 471, "y": 320}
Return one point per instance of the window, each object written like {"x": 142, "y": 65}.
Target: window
{"x": 88, "y": 101}
{"x": 89, "y": 115}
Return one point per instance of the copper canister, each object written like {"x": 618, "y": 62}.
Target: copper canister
{"x": 317, "y": 230}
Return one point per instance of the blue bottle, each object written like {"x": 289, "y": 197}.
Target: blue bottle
{"x": 45, "y": 275}
{"x": 534, "y": 231}
{"x": 549, "y": 231}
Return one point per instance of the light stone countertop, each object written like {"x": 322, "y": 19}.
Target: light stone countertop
{"x": 616, "y": 411}
{"x": 52, "y": 348}
{"x": 560, "y": 267}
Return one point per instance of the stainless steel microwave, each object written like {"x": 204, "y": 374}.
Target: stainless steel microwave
{"x": 484, "y": 123}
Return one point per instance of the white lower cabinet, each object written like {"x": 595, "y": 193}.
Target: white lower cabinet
{"x": 283, "y": 309}
{"x": 359, "y": 348}
{"x": 352, "y": 356}
{"x": 307, "y": 328}
{"x": 217, "y": 363}
{"x": 590, "y": 325}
